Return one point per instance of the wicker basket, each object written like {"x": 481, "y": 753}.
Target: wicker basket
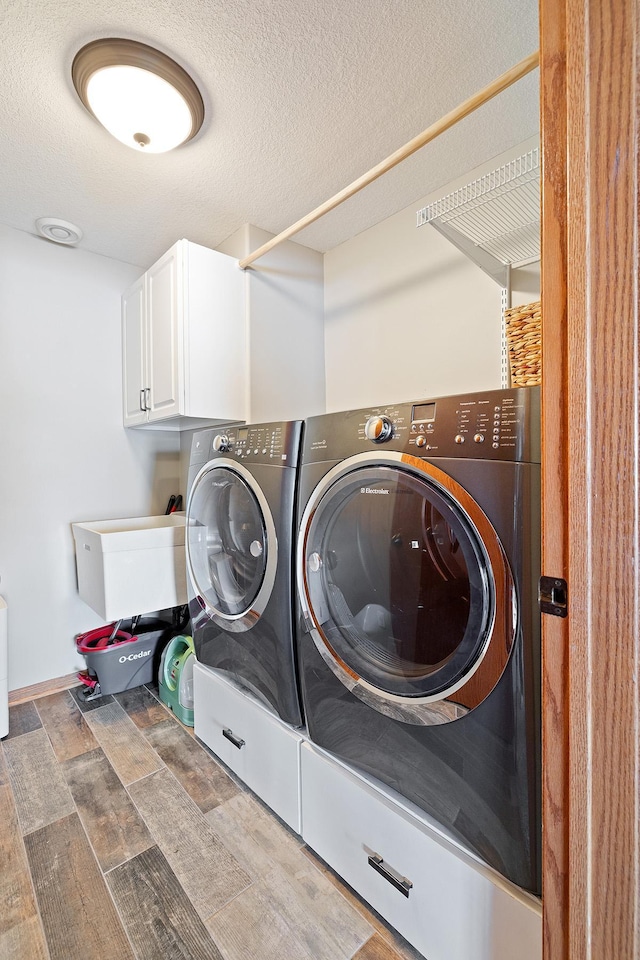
{"x": 523, "y": 326}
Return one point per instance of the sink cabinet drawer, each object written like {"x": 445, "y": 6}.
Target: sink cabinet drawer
{"x": 449, "y": 906}
{"x": 262, "y": 750}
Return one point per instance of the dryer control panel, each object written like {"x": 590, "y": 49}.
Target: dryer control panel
{"x": 493, "y": 425}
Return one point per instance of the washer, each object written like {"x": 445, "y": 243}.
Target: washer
{"x": 239, "y": 546}
{"x": 419, "y": 632}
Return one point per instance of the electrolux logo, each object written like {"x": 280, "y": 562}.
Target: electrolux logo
{"x": 135, "y": 656}
{"x": 373, "y": 490}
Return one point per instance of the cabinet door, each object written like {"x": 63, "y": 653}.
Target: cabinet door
{"x": 164, "y": 336}
{"x": 133, "y": 354}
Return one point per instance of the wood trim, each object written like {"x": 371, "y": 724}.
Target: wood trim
{"x": 577, "y": 707}
{"x": 602, "y": 134}
{"x": 36, "y": 690}
{"x": 591, "y": 871}
{"x": 499, "y": 85}
{"x": 555, "y": 732}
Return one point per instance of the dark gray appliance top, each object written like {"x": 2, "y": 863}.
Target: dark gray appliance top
{"x": 491, "y": 425}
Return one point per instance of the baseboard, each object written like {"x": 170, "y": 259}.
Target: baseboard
{"x": 36, "y": 690}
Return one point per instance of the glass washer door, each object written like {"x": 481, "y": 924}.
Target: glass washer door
{"x": 396, "y": 581}
{"x": 231, "y": 543}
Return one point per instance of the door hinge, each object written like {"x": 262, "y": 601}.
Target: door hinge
{"x": 553, "y": 596}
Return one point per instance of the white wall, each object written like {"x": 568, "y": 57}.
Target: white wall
{"x": 285, "y": 304}
{"x": 408, "y": 316}
{"x": 65, "y": 455}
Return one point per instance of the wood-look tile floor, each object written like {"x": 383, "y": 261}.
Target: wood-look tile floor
{"x": 122, "y": 837}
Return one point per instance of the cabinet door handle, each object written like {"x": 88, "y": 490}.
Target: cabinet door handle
{"x": 142, "y": 406}
{"x": 230, "y": 735}
{"x": 395, "y": 879}
{"x": 147, "y": 398}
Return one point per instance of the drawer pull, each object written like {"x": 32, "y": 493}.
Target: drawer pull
{"x": 230, "y": 735}
{"x": 395, "y": 879}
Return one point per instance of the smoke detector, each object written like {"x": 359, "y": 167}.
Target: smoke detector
{"x": 60, "y": 231}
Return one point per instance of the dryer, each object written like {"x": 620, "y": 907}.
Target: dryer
{"x": 239, "y": 549}
{"x": 418, "y": 629}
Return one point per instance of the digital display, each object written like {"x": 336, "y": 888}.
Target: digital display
{"x": 243, "y": 433}
{"x": 424, "y": 413}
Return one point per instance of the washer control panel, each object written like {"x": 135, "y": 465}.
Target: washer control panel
{"x": 274, "y": 443}
{"x": 493, "y": 425}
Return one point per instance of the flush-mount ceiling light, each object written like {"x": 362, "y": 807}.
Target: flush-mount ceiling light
{"x": 142, "y": 97}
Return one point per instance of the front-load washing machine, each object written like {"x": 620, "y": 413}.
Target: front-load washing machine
{"x": 418, "y": 630}
{"x": 239, "y": 548}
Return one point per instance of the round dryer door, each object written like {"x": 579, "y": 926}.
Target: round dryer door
{"x": 405, "y": 587}
{"x": 230, "y": 544}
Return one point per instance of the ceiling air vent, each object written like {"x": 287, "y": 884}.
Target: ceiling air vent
{"x": 60, "y": 231}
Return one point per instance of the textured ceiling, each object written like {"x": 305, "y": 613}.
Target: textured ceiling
{"x": 301, "y": 97}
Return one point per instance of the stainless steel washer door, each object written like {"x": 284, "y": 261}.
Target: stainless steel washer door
{"x": 405, "y": 588}
{"x": 231, "y": 544}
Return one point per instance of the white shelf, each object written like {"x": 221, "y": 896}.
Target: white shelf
{"x": 494, "y": 220}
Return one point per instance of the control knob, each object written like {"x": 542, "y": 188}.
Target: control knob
{"x": 221, "y": 443}
{"x": 378, "y": 429}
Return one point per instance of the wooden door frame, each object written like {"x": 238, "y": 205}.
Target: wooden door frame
{"x": 591, "y": 661}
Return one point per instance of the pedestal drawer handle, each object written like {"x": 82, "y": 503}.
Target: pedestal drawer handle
{"x": 230, "y": 735}
{"x": 395, "y": 879}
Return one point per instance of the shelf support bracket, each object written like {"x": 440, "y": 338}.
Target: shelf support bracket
{"x": 498, "y": 271}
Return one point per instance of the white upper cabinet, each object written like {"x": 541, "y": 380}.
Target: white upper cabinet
{"x": 184, "y": 341}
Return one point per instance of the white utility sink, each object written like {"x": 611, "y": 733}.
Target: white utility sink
{"x": 131, "y": 566}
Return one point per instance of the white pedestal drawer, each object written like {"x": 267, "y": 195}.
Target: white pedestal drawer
{"x": 456, "y": 908}
{"x": 262, "y": 750}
